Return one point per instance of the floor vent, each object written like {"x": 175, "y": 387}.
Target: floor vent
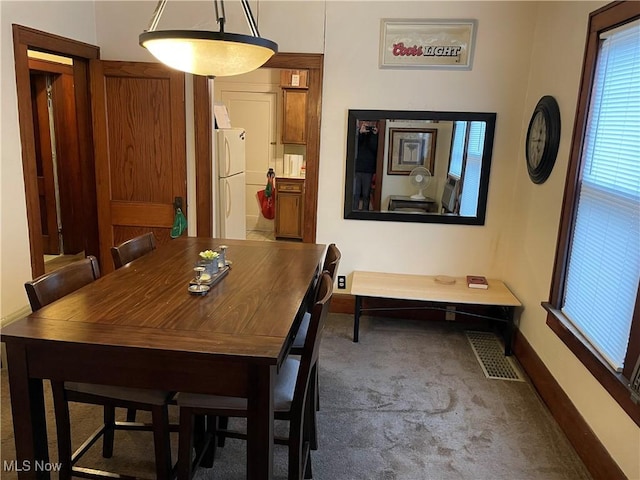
{"x": 490, "y": 354}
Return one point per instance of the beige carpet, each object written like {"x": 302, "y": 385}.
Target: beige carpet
{"x": 408, "y": 402}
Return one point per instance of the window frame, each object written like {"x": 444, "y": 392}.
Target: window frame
{"x": 606, "y": 18}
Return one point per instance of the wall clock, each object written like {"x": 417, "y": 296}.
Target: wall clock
{"x": 543, "y": 138}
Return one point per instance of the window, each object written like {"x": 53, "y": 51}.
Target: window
{"x": 457, "y": 148}
{"x": 594, "y": 297}
{"x": 472, "y": 170}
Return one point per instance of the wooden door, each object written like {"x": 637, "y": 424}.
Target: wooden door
{"x": 139, "y": 140}
{"x": 57, "y": 157}
{"x": 69, "y": 163}
{"x": 40, "y": 89}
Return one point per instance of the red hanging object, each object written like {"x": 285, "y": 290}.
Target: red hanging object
{"x": 266, "y": 197}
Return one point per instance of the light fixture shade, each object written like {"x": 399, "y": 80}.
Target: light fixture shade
{"x": 208, "y": 53}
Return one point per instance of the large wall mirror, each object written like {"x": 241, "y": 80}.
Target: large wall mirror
{"x": 413, "y": 166}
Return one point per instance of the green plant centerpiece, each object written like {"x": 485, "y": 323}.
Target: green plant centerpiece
{"x": 209, "y": 259}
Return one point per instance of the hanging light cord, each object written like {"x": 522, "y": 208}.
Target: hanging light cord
{"x": 250, "y": 20}
{"x": 220, "y": 16}
{"x": 155, "y": 18}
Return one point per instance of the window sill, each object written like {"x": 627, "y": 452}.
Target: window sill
{"x": 612, "y": 381}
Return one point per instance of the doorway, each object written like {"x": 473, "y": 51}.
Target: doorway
{"x": 203, "y": 146}
{"x": 57, "y": 158}
{"x": 69, "y": 89}
{"x": 252, "y": 101}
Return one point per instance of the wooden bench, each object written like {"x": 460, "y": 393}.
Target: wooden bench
{"x": 439, "y": 296}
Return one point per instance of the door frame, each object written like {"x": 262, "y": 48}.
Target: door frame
{"x": 204, "y": 132}
{"x": 25, "y": 38}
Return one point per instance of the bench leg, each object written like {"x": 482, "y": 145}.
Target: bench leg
{"x": 356, "y": 318}
{"x": 509, "y": 332}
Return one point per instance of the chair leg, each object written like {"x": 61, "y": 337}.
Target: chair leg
{"x": 161, "y": 441}
{"x": 63, "y": 428}
{"x": 109, "y": 424}
{"x": 316, "y": 387}
{"x": 223, "y": 424}
{"x": 185, "y": 444}
{"x": 298, "y": 431}
{"x": 307, "y": 468}
{"x": 199, "y": 431}
{"x": 131, "y": 414}
{"x": 209, "y": 455}
{"x": 313, "y": 408}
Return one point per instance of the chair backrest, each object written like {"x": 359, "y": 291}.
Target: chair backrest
{"x": 51, "y": 286}
{"x": 332, "y": 260}
{"x": 309, "y": 355}
{"x": 134, "y": 248}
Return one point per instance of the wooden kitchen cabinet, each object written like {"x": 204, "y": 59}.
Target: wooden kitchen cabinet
{"x": 289, "y": 208}
{"x": 295, "y": 84}
{"x": 294, "y": 121}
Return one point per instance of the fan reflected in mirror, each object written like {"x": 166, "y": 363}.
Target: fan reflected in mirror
{"x": 420, "y": 177}
{"x": 365, "y": 164}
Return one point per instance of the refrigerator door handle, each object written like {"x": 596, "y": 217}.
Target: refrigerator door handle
{"x": 227, "y": 157}
{"x": 227, "y": 193}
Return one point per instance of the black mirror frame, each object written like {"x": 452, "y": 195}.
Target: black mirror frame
{"x": 354, "y": 115}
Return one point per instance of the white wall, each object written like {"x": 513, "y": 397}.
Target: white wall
{"x": 556, "y": 65}
{"x": 69, "y": 19}
{"x": 295, "y": 26}
{"x": 518, "y": 240}
{"x": 352, "y": 80}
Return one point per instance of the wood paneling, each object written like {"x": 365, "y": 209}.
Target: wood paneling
{"x": 139, "y": 139}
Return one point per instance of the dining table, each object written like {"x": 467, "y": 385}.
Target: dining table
{"x": 139, "y": 326}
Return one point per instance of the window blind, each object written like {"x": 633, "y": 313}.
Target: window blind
{"x": 457, "y": 149}
{"x": 604, "y": 262}
{"x": 473, "y": 168}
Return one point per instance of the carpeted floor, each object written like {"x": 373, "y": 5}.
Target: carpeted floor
{"x": 408, "y": 402}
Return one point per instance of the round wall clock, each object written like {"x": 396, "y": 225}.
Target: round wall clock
{"x": 543, "y": 138}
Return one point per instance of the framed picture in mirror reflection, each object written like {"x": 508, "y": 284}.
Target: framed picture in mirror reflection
{"x": 410, "y": 148}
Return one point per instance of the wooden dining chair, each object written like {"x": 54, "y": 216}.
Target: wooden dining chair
{"x": 292, "y": 401}
{"x": 133, "y": 248}
{"x": 47, "y": 289}
{"x": 330, "y": 265}
{"x": 127, "y": 252}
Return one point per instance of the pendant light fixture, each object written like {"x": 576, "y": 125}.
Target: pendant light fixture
{"x": 214, "y": 54}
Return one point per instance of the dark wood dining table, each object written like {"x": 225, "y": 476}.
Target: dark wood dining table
{"x": 140, "y": 327}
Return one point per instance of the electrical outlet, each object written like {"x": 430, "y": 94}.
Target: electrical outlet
{"x": 451, "y": 313}
{"x": 342, "y": 282}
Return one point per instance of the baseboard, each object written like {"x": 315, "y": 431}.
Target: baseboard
{"x": 587, "y": 445}
{"x": 589, "y": 448}
{"x": 342, "y": 303}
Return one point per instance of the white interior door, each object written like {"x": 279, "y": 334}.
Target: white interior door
{"x": 256, "y": 112}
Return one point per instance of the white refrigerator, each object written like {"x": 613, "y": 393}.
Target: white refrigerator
{"x": 231, "y": 196}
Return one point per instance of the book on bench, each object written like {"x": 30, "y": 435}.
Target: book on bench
{"x": 477, "y": 281}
